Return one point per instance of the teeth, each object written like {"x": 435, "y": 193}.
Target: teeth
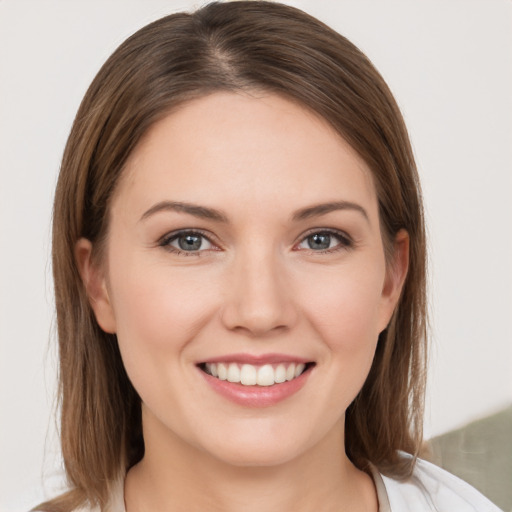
{"x": 233, "y": 373}
{"x": 280, "y": 375}
{"x": 265, "y": 376}
{"x": 222, "y": 371}
{"x": 299, "y": 369}
{"x": 250, "y": 375}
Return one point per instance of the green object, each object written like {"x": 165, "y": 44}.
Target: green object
{"x": 481, "y": 454}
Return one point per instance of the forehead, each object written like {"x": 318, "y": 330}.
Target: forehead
{"x": 229, "y": 146}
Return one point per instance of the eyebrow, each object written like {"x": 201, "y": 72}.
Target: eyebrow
{"x": 325, "y": 208}
{"x": 192, "y": 209}
{"x": 212, "y": 214}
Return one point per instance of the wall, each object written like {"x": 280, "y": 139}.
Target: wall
{"x": 449, "y": 64}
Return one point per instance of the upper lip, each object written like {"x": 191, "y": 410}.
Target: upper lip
{"x": 259, "y": 359}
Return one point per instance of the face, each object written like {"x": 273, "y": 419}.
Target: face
{"x": 245, "y": 278}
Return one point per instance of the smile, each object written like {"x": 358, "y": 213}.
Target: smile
{"x": 255, "y": 375}
{"x": 256, "y": 381}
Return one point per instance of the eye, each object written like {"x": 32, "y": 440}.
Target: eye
{"x": 325, "y": 241}
{"x": 186, "y": 241}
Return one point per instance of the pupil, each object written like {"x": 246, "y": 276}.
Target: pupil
{"x": 319, "y": 241}
{"x": 190, "y": 242}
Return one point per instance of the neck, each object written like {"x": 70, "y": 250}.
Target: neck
{"x": 177, "y": 476}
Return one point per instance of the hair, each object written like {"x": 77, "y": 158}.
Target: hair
{"x": 235, "y": 46}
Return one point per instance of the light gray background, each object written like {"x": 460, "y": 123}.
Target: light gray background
{"x": 449, "y": 63}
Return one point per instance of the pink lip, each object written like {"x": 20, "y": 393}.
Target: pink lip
{"x": 256, "y": 396}
{"x": 256, "y": 360}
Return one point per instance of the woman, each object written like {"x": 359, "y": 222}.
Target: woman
{"x": 239, "y": 266}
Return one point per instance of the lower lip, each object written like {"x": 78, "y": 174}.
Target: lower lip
{"x": 256, "y": 396}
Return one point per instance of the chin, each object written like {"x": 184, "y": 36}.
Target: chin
{"x": 254, "y": 457}
{"x": 259, "y": 449}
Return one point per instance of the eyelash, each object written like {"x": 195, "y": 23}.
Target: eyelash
{"x": 345, "y": 241}
{"x": 166, "y": 240}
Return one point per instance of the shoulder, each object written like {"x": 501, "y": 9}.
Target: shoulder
{"x": 434, "y": 489}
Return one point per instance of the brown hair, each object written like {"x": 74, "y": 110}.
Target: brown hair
{"x": 244, "y": 45}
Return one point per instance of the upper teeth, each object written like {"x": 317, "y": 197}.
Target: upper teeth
{"x": 250, "y": 375}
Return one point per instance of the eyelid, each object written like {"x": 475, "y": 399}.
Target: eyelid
{"x": 346, "y": 241}
{"x": 165, "y": 241}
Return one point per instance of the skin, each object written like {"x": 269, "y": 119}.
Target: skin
{"x": 255, "y": 286}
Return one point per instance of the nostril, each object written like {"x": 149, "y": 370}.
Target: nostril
{"x": 259, "y": 304}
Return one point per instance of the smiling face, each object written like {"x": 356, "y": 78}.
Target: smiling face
{"x": 244, "y": 244}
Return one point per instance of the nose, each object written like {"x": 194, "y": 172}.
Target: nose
{"x": 258, "y": 300}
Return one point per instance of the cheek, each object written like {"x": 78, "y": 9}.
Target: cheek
{"x": 159, "y": 312}
{"x": 344, "y": 315}
{"x": 157, "y": 309}
{"x": 346, "y": 309}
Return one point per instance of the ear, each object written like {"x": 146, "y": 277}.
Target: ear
{"x": 95, "y": 285}
{"x": 396, "y": 272}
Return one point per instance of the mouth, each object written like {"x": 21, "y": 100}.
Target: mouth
{"x": 256, "y": 380}
{"x": 263, "y": 375}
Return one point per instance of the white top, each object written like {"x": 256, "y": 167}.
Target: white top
{"x": 429, "y": 489}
